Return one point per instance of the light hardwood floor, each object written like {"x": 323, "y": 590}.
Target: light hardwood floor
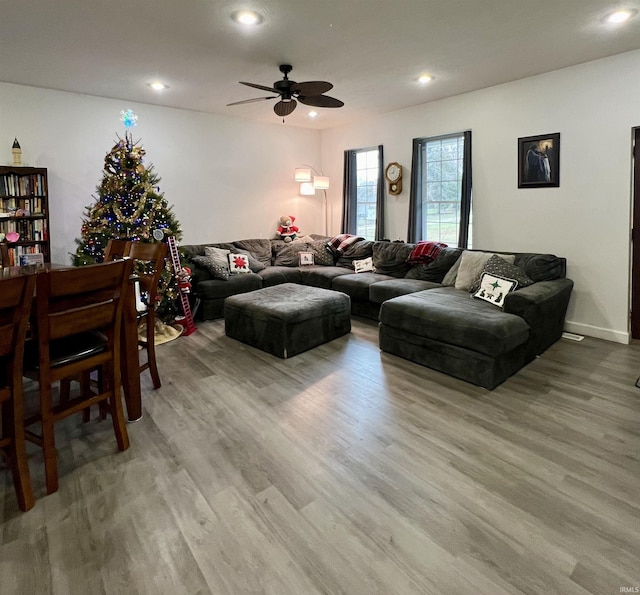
{"x": 343, "y": 470}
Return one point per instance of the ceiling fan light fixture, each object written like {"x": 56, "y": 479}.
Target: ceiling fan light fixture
{"x": 247, "y": 17}
{"x": 423, "y": 79}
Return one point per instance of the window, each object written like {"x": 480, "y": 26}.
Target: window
{"x": 440, "y": 205}
{"x": 364, "y": 193}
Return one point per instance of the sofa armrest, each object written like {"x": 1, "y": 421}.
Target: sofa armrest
{"x": 543, "y": 305}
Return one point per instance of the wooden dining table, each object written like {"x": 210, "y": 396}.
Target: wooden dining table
{"x": 129, "y": 366}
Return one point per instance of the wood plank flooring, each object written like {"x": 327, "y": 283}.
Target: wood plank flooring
{"x": 343, "y": 470}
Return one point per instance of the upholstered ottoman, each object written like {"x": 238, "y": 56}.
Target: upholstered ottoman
{"x": 287, "y": 319}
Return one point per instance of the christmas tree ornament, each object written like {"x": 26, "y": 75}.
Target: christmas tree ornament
{"x": 16, "y": 153}
{"x": 128, "y": 118}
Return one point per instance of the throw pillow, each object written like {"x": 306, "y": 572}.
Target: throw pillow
{"x": 449, "y": 280}
{"x": 254, "y": 264}
{"x": 541, "y": 267}
{"x": 471, "y": 264}
{"x": 217, "y": 255}
{"x": 498, "y": 266}
{"x": 305, "y": 258}
{"x": 215, "y": 270}
{"x": 321, "y": 254}
{"x": 436, "y": 270}
{"x": 238, "y": 263}
{"x": 494, "y": 289}
{"x": 364, "y": 266}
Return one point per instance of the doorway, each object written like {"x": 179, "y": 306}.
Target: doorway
{"x": 635, "y": 239}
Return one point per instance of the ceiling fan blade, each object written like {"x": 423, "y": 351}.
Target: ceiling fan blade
{"x": 261, "y": 87}
{"x": 321, "y": 101}
{"x": 284, "y": 108}
{"x": 250, "y": 100}
{"x": 311, "y": 88}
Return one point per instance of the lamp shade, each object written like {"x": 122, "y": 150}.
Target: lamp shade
{"x": 303, "y": 174}
{"x": 321, "y": 183}
{"x": 307, "y": 189}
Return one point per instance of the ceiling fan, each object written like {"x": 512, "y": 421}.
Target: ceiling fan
{"x": 309, "y": 93}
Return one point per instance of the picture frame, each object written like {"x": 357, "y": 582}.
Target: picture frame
{"x": 539, "y": 161}
{"x": 305, "y": 258}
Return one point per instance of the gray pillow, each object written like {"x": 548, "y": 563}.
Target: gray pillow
{"x": 471, "y": 264}
{"x": 357, "y": 251}
{"x": 321, "y": 254}
{"x": 541, "y": 267}
{"x": 498, "y": 266}
{"x": 259, "y": 248}
{"x": 215, "y": 270}
{"x": 449, "y": 279}
{"x": 287, "y": 256}
{"x": 218, "y": 256}
{"x": 436, "y": 270}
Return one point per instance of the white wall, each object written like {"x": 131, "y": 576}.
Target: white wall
{"x": 227, "y": 178}
{"x": 587, "y": 219}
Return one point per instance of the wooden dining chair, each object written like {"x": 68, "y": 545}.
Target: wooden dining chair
{"x": 116, "y": 249}
{"x": 4, "y": 255}
{"x": 78, "y": 330}
{"x": 15, "y": 306}
{"x": 149, "y": 259}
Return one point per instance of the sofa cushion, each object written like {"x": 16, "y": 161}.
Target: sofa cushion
{"x": 498, "y": 266}
{"x": 218, "y": 289}
{"x": 493, "y": 289}
{"x": 471, "y": 264}
{"x": 259, "y": 248}
{"x": 386, "y": 290}
{"x": 275, "y": 275}
{"x": 436, "y": 270}
{"x": 356, "y": 285}
{"x": 390, "y": 258}
{"x": 451, "y": 316}
{"x": 287, "y": 254}
{"x": 238, "y": 263}
{"x": 542, "y": 267}
{"x": 360, "y": 250}
{"x": 321, "y": 276}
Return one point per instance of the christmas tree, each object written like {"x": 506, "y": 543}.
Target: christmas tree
{"x": 130, "y": 206}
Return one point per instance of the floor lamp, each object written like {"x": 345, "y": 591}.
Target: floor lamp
{"x": 311, "y": 180}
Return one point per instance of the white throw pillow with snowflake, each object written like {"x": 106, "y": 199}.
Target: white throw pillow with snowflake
{"x": 238, "y": 263}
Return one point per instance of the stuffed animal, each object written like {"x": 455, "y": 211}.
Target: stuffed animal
{"x": 287, "y": 230}
{"x": 184, "y": 280}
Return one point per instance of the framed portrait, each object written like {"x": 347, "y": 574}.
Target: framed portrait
{"x": 539, "y": 161}
{"x": 305, "y": 258}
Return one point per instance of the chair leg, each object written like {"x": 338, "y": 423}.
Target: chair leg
{"x": 151, "y": 350}
{"x": 18, "y": 455}
{"x": 117, "y": 411}
{"x": 48, "y": 439}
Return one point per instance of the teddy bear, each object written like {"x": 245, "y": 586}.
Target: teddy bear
{"x": 287, "y": 230}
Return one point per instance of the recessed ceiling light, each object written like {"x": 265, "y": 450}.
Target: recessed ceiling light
{"x": 425, "y": 78}
{"x": 247, "y": 17}
{"x": 158, "y": 86}
{"x": 313, "y": 114}
{"x": 620, "y": 16}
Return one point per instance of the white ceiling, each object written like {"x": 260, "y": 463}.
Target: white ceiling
{"x": 371, "y": 50}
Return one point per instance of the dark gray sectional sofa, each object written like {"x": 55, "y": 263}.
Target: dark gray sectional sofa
{"x": 422, "y": 316}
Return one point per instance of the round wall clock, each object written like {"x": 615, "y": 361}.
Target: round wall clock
{"x": 393, "y": 173}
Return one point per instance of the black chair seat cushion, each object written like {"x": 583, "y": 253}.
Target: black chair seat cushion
{"x": 67, "y": 350}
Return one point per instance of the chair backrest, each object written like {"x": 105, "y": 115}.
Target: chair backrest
{"x": 76, "y": 300}
{"x": 4, "y": 255}
{"x": 116, "y": 249}
{"x": 149, "y": 263}
{"x": 16, "y": 294}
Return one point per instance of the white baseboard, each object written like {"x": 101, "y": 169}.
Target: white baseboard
{"x": 597, "y": 332}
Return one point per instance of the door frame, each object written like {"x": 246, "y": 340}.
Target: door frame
{"x": 635, "y": 235}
